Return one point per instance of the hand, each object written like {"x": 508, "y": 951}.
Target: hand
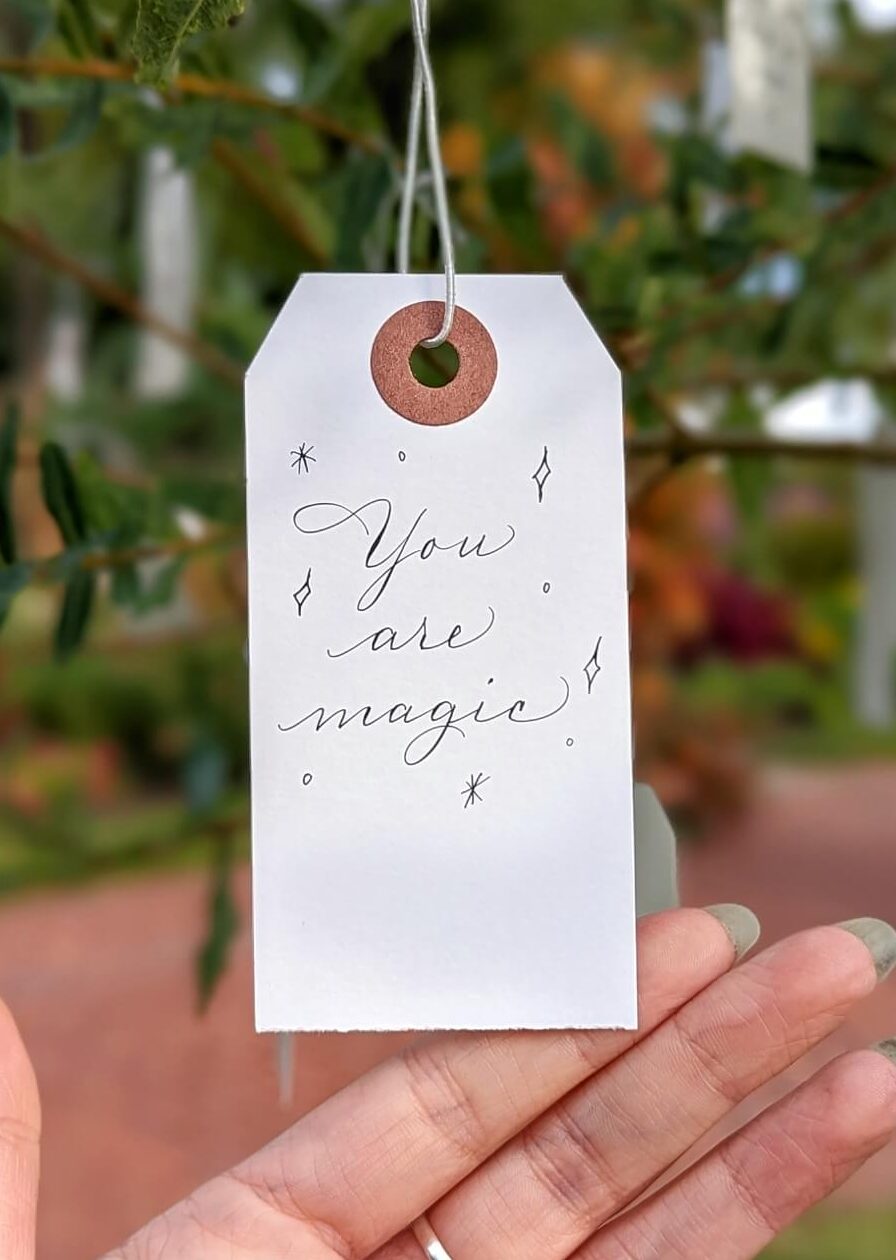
{"x": 531, "y": 1145}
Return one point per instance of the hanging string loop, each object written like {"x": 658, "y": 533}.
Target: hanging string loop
{"x": 424, "y": 102}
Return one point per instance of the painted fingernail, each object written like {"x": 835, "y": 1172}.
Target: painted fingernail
{"x": 880, "y": 941}
{"x": 741, "y": 925}
{"x": 887, "y": 1048}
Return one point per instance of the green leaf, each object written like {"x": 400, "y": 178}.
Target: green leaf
{"x": 217, "y": 498}
{"x": 223, "y": 924}
{"x": 370, "y": 29}
{"x": 7, "y": 122}
{"x": 34, "y": 21}
{"x": 363, "y": 33}
{"x": 125, "y": 585}
{"x": 368, "y": 181}
{"x": 751, "y": 481}
{"x": 77, "y": 603}
{"x": 588, "y": 150}
{"x": 12, "y": 580}
{"x": 83, "y": 118}
{"x": 61, "y": 495}
{"x": 205, "y": 774}
{"x": 78, "y": 28}
{"x": 62, "y": 566}
{"x": 312, "y": 27}
{"x": 157, "y": 589}
{"x": 117, "y": 514}
{"x": 512, "y": 187}
{"x": 9, "y": 433}
{"x": 163, "y": 25}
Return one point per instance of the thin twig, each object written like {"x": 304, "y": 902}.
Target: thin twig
{"x": 192, "y": 85}
{"x": 50, "y": 568}
{"x": 732, "y": 375}
{"x": 259, "y": 186}
{"x": 691, "y": 445}
{"x": 106, "y": 291}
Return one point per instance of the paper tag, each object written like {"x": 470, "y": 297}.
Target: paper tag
{"x": 771, "y": 79}
{"x": 441, "y": 753}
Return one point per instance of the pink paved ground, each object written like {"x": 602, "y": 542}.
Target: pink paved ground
{"x": 142, "y": 1100}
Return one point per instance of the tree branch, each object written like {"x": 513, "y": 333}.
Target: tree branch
{"x": 733, "y": 375}
{"x": 672, "y": 447}
{"x": 191, "y": 85}
{"x": 109, "y": 293}
{"x": 48, "y": 569}
{"x": 689, "y": 444}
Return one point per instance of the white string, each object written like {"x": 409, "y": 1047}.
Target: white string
{"x": 411, "y": 162}
{"x": 423, "y": 98}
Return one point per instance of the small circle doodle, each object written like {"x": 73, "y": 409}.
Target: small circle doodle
{"x": 306, "y": 779}
{"x": 570, "y": 742}
{"x": 402, "y": 456}
{"x": 546, "y": 587}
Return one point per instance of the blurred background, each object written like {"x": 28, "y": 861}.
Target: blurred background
{"x": 164, "y": 177}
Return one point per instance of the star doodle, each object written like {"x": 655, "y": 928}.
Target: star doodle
{"x": 541, "y": 474}
{"x": 302, "y": 594}
{"x": 303, "y": 458}
{"x": 471, "y": 788}
{"x": 592, "y": 669}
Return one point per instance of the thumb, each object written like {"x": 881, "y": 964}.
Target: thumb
{"x": 19, "y": 1144}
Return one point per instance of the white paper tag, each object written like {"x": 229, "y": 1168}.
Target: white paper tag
{"x": 441, "y": 753}
{"x": 771, "y": 79}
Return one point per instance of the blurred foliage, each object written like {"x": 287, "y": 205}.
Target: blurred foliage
{"x": 791, "y": 712}
{"x": 849, "y": 1236}
{"x": 575, "y": 140}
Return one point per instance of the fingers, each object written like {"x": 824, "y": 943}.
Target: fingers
{"x": 370, "y": 1160}
{"x": 747, "y": 1190}
{"x": 19, "y": 1144}
{"x": 579, "y": 1164}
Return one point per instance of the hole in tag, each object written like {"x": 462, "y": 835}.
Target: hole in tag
{"x": 434, "y": 367}
{"x": 462, "y": 371}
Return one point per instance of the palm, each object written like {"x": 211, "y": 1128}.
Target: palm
{"x": 532, "y": 1144}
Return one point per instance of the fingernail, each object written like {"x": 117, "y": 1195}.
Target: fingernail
{"x": 887, "y": 1048}
{"x": 880, "y": 941}
{"x": 741, "y": 925}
